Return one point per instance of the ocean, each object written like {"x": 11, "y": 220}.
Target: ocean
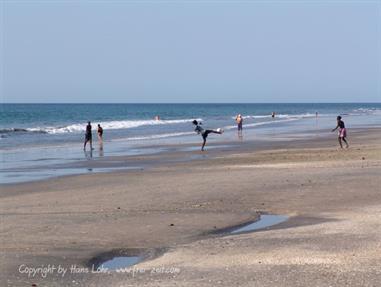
{"x": 35, "y": 136}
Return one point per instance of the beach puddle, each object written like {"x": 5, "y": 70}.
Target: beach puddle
{"x": 120, "y": 262}
{"x": 123, "y": 259}
{"x": 265, "y": 221}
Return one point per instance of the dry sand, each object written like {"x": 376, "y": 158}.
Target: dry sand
{"x": 333, "y": 237}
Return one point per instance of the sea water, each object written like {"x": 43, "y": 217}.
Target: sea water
{"x": 37, "y": 135}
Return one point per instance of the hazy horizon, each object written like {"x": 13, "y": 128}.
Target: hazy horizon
{"x": 187, "y": 103}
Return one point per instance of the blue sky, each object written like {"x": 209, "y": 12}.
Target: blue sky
{"x": 183, "y": 51}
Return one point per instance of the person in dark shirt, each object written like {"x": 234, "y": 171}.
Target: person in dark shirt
{"x": 342, "y": 133}
{"x": 204, "y": 133}
{"x": 88, "y": 136}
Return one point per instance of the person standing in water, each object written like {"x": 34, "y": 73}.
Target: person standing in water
{"x": 342, "y": 133}
{"x": 100, "y": 134}
{"x": 88, "y": 136}
{"x": 204, "y": 133}
{"x": 239, "y": 121}
{"x": 273, "y": 115}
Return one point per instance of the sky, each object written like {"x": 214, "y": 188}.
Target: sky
{"x": 190, "y": 51}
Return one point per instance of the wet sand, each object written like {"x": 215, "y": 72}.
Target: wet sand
{"x": 172, "y": 210}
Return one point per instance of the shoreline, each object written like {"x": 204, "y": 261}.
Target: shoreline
{"x": 69, "y": 220}
{"x": 159, "y": 154}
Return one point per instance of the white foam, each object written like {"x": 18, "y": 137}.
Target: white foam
{"x": 262, "y": 123}
{"x": 300, "y": 116}
{"x": 111, "y": 125}
{"x": 367, "y": 111}
{"x": 281, "y": 116}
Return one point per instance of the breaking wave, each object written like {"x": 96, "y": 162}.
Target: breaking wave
{"x": 280, "y": 116}
{"x": 111, "y": 125}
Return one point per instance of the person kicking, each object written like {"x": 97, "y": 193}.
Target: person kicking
{"x": 204, "y": 133}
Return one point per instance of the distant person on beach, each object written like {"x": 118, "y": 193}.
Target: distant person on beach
{"x": 239, "y": 121}
{"x": 100, "y": 133}
{"x": 157, "y": 118}
{"x": 204, "y": 133}
{"x": 342, "y": 133}
{"x": 88, "y": 136}
{"x": 317, "y": 114}
{"x": 273, "y": 114}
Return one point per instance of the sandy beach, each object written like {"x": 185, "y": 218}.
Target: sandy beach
{"x": 172, "y": 212}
